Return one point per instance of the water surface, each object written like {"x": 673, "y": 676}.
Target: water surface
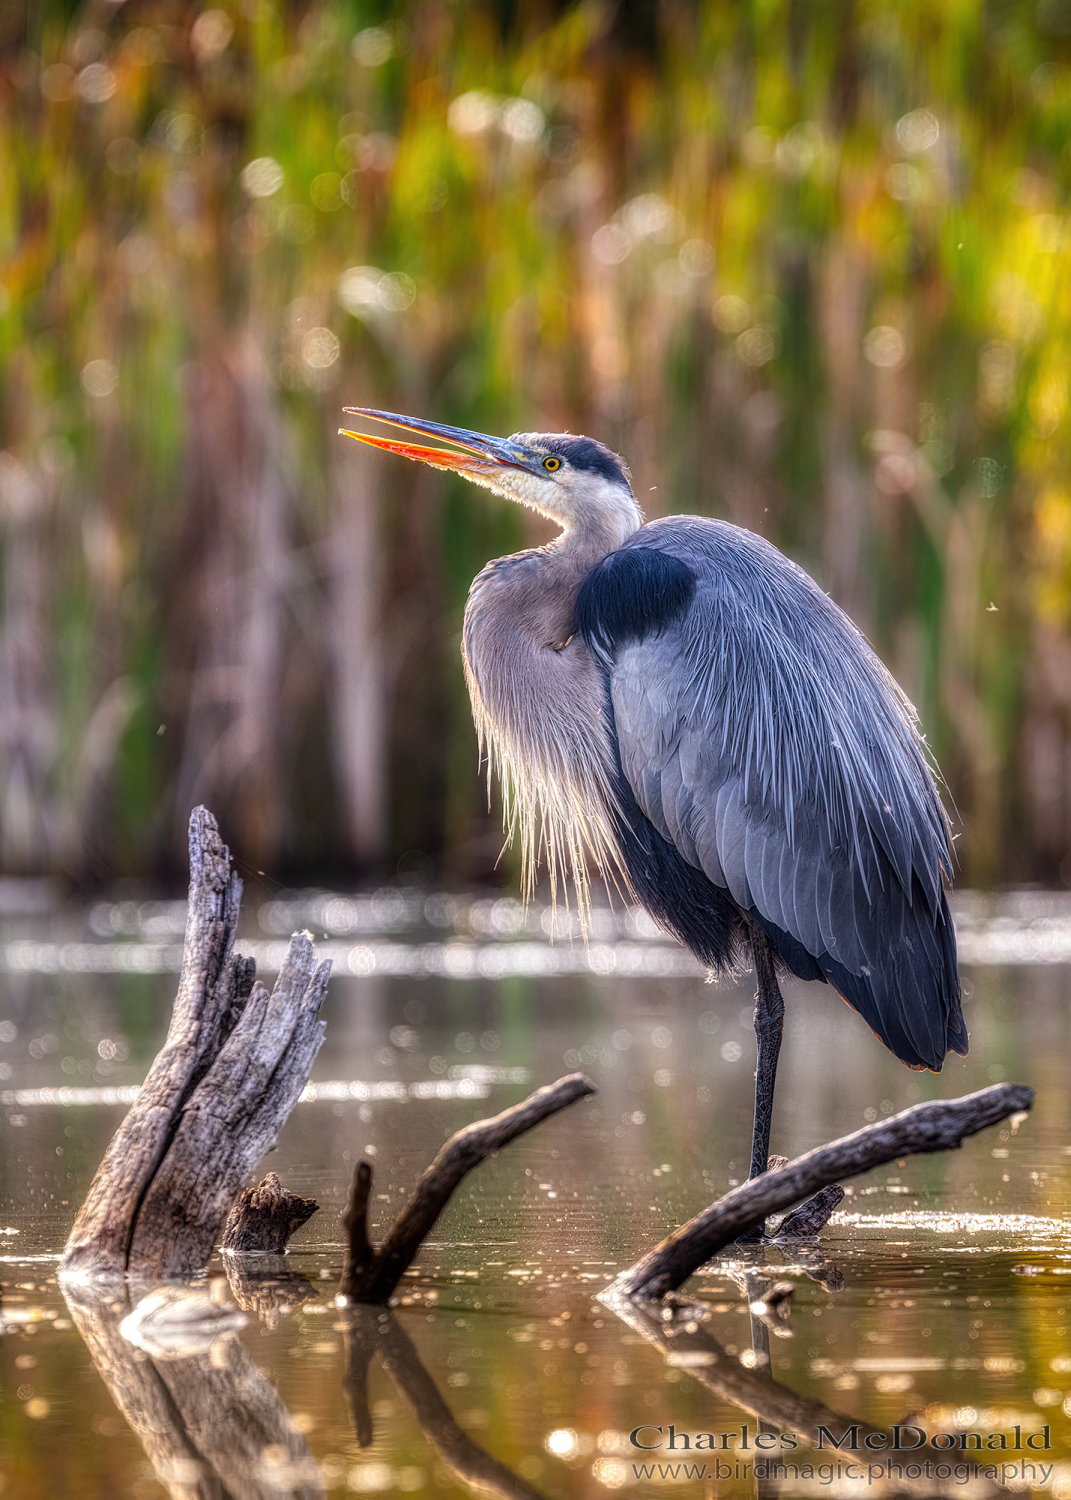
{"x": 939, "y": 1298}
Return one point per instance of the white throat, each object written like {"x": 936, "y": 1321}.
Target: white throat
{"x": 592, "y": 511}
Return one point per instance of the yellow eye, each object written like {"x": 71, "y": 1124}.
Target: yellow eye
{"x": 552, "y": 464}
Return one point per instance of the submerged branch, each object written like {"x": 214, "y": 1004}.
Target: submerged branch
{"x": 370, "y": 1275}
{"x": 937, "y": 1126}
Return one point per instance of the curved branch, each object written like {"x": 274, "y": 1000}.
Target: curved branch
{"x": 371, "y": 1276}
{"x": 937, "y": 1126}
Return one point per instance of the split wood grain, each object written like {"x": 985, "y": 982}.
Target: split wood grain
{"x": 231, "y": 1069}
{"x": 264, "y": 1218}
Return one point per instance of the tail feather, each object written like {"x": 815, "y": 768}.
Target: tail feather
{"x": 912, "y": 1000}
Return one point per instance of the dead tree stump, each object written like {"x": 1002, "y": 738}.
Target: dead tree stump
{"x": 264, "y": 1218}
{"x": 217, "y": 1095}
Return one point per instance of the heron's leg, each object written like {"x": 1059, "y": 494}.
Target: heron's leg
{"x": 769, "y": 1021}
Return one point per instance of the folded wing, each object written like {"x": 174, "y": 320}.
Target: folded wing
{"x": 765, "y": 742}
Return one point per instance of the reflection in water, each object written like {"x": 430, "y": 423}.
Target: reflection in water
{"x": 267, "y": 1285}
{"x": 747, "y": 1384}
{"x": 211, "y": 1423}
{"x": 214, "y": 1426}
{"x": 174, "y": 1324}
{"x": 956, "y": 1296}
{"x": 685, "y": 1343}
{"x": 370, "y": 1332}
{"x": 331, "y": 1091}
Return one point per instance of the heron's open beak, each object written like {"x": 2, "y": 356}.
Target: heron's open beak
{"x": 480, "y": 454}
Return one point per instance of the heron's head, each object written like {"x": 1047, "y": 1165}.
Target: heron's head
{"x": 576, "y": 481}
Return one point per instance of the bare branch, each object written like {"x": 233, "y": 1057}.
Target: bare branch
{"x": 937, "y": 1126}
{"x": 359, "y": 1251}
{"x": 372, "y": 1278}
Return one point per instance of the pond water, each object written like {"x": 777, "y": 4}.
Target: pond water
{"x": 940, "y": 1298}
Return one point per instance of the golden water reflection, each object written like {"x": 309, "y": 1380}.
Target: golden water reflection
{"x": 956, "y": 1270}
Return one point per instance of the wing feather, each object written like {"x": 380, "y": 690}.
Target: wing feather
{"x": 804, "y": 867}
{"x": 764, "y": 740}
{"x": 730, "y": 833}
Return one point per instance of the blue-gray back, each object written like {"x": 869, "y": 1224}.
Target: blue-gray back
{"x": 763, "y": 739}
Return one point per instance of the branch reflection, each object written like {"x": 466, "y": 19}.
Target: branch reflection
{"x": 677, "y": 1332}
{"x": 372, "y": 1331}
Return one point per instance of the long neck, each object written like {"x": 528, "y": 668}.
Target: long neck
{"x": 594, "y": 523}
{"x": 565, "y": 562}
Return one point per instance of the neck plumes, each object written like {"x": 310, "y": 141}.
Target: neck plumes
{"x": 541, "y": 706}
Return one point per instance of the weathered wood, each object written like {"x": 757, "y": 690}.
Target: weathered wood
{"x": 212, "y": 1424}
{"x": 359, "y": 1250}
{"x": 937, "y": 1126}
{"x": 231, "y": 1069}
{"x": 802, "y": 1223}
{"x": 370, "y": 1331}
{"x": 370, "y": 1275}
{"x": 208, "y": 986}
{"x": 232, "y": 1118}
{"x": 811, "y": 1217}
{"x": 264, "y": 1218}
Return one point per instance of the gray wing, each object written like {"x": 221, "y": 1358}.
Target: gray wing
{"x": 764, "y": 740}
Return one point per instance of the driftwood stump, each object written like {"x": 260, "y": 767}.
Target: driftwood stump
{"x": 217, "y": 1095}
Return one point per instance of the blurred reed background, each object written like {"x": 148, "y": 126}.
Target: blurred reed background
{"x": 807, "y": 266}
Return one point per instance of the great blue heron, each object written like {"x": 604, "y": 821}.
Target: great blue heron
{"x": 683, "y": 705}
